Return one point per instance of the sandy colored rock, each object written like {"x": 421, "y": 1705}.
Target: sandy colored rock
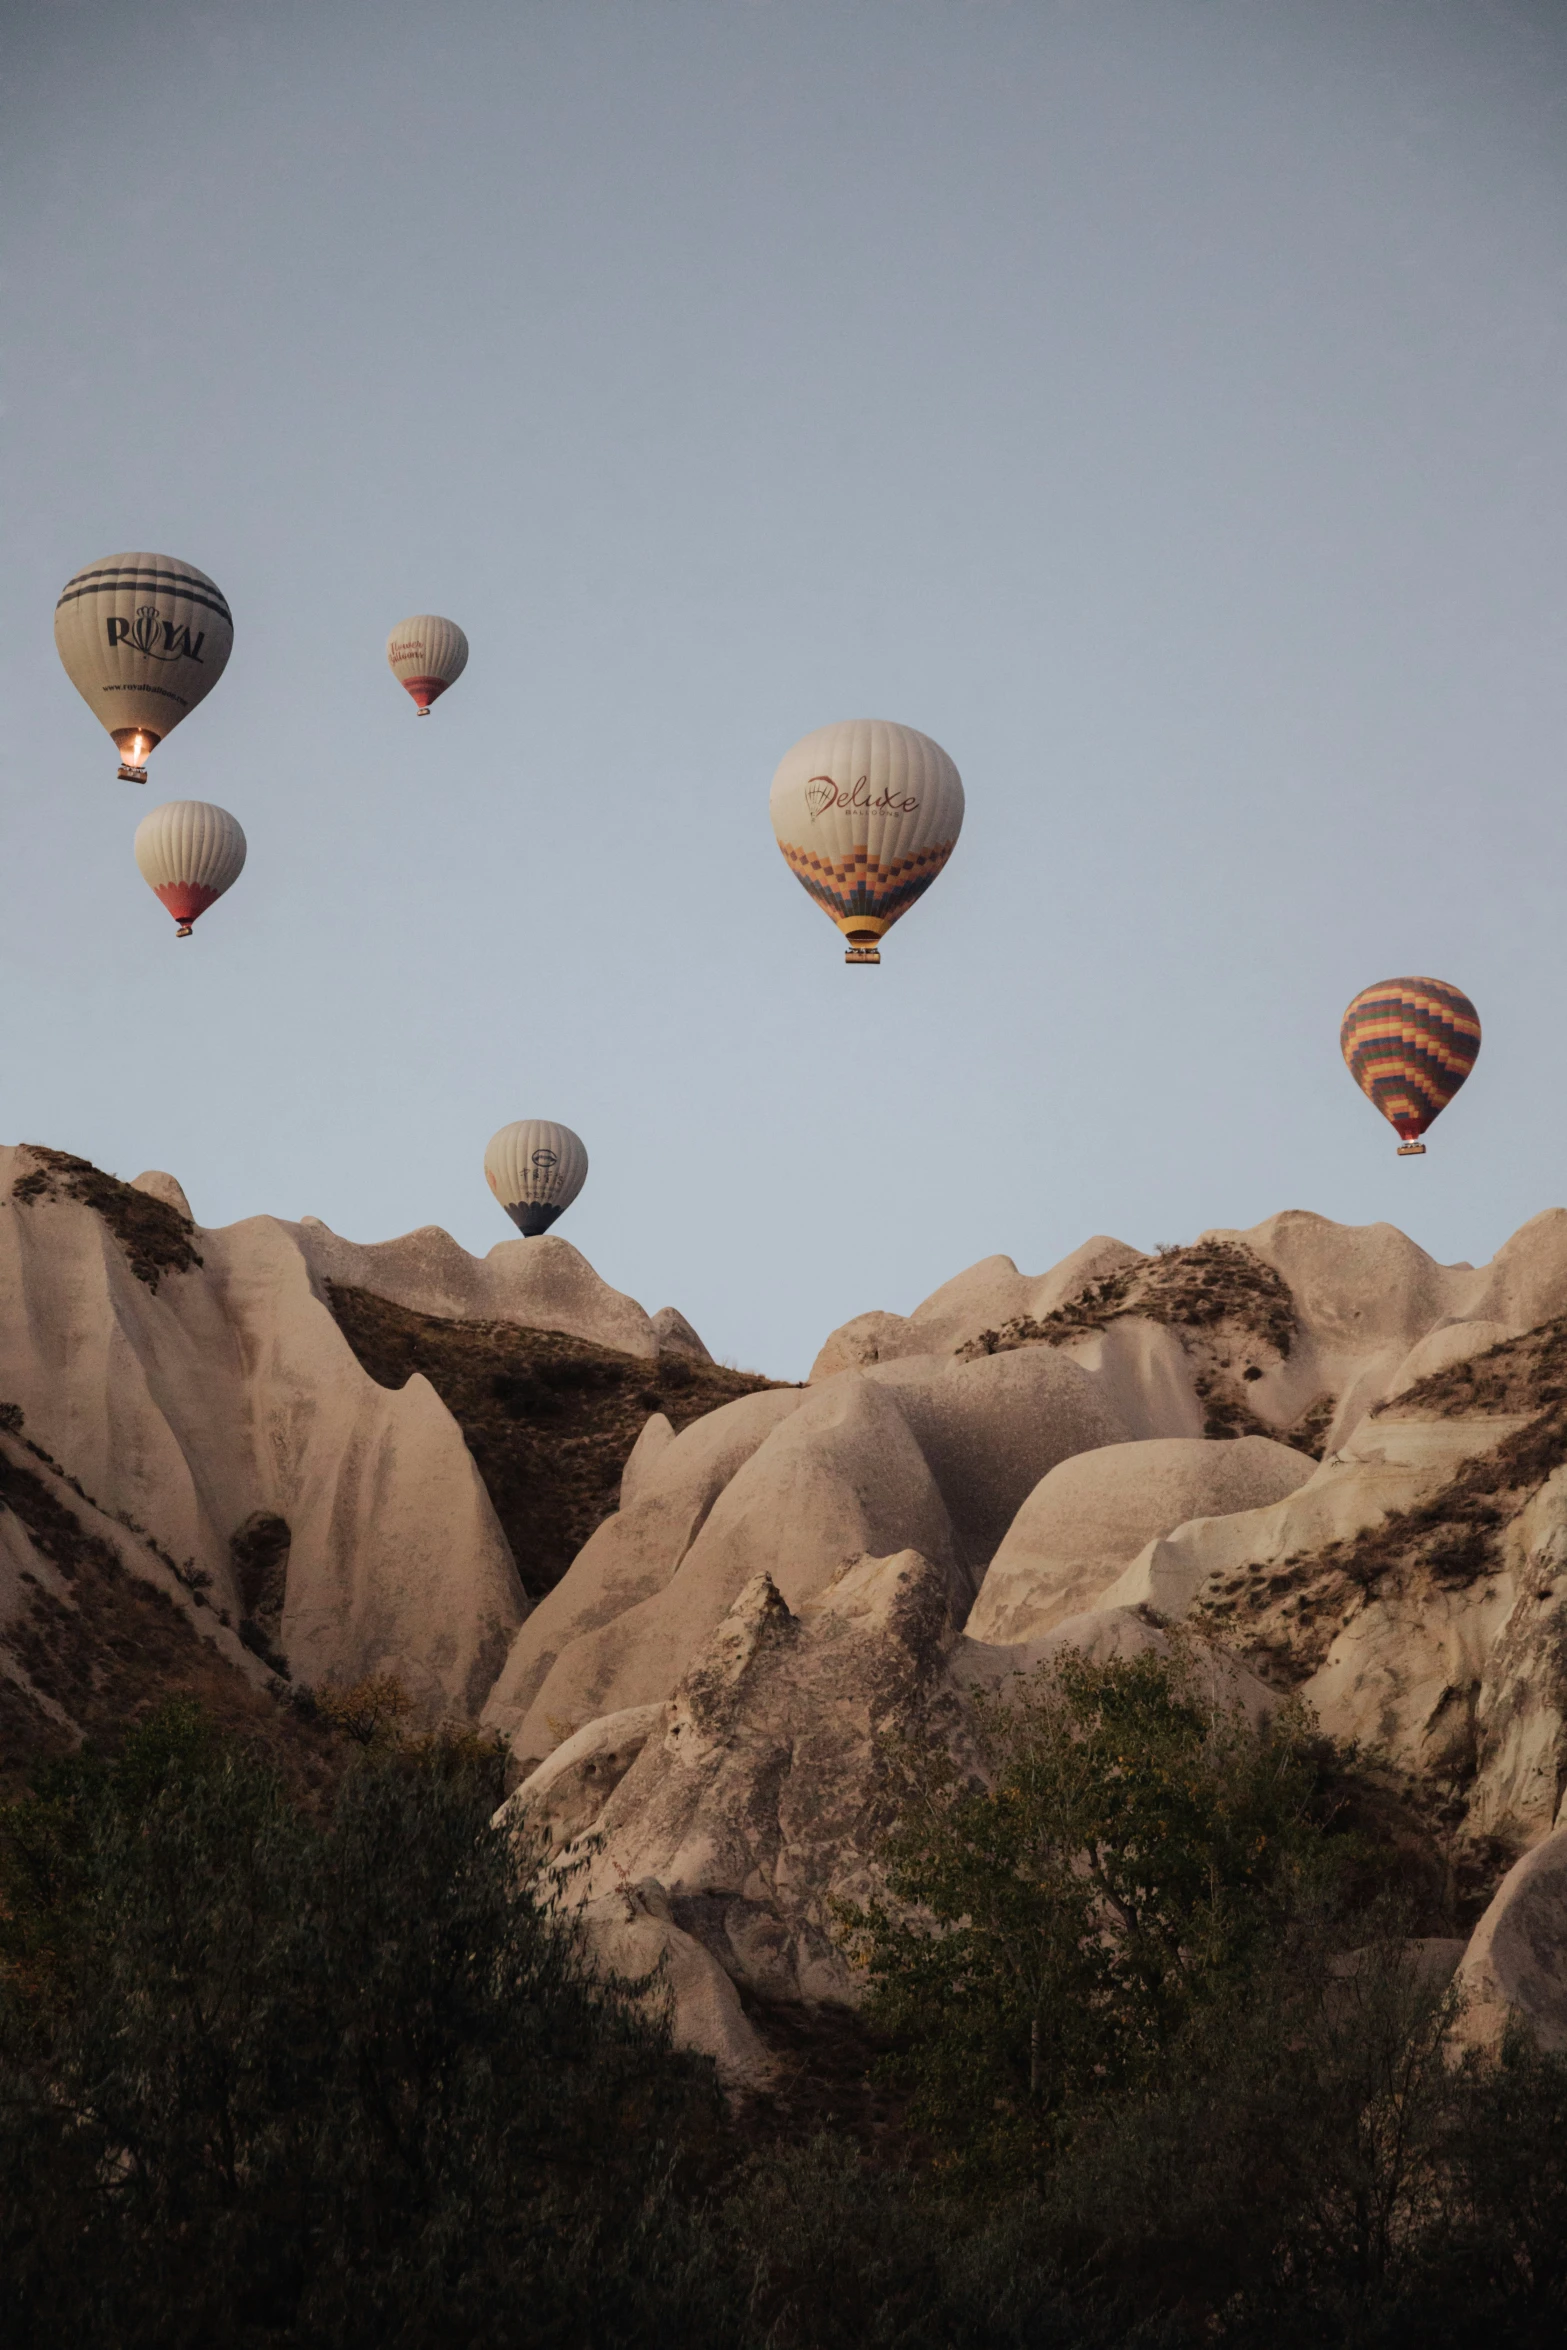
{"x": 157, "y": 1185}
{"x": 1518, "y": 1752}
{"x": 544, "y": 1284}
{"x": 990, "y": 1429}
{"x": 629, "y": 1559}
{"x": 1449, "y": 1343}
{"x": 841, "y": 1478}
{"x": 766, "y": 1792}
{"x": 676, "y": 1337}
{"x": 633, "y": 1936}
{"x": 1092, "y": 1515}
{"x": 1104, "y": 1636}
{"x": 27, "y": 1575}
{"x": 1365, "y": 1297}
{"x": 656, "y": 1437}
{"x": 228, "y": 1392}
{"x": 1515, "y": 1968}
{"x": 564, "y": 1795}
{"x": 986, "y": 1295}
{"x": 1388, "y": 1465}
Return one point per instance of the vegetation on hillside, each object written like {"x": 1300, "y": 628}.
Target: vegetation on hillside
{"x": 269, "y": 2079}
{"x": 549, "y": 1419}
{"x": 1230, "y": 1310}
{"x": 154, "y": 1236}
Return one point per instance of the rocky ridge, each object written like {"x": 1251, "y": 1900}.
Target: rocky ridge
{"x": 1339, "y": 1465}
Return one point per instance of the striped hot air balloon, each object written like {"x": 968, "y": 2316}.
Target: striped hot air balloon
{"x": 427, "y": 655}
{"x": 144, "y": 638}
{"x": 1409, "y": 1045}
{"x": 189, "y": 853}
{"x": 535, "y": 1170}
{"x": 867, "y": 814}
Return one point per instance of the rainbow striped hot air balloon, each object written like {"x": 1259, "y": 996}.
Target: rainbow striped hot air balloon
{"x": 1409, "y": 1045}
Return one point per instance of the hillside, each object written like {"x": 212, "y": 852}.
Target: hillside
{"x": 549, "y": 1419}
{"x": 695, "y": 1605}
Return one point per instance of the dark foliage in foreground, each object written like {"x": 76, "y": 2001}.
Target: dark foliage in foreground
{"x": 267, "y": 2082}
{"x": 260, "y": 2082}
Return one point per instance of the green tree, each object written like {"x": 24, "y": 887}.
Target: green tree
{"x": 262, "y": 2082}
{"x": 1129, "y": 1846}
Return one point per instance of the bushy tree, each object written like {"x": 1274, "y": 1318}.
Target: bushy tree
{"x": 1130, "y": 1846}
{"x": 262, "y": 2082}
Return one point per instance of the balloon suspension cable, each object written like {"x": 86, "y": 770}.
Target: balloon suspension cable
{"x": 1411, "y": 1150}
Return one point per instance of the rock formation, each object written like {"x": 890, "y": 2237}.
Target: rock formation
{"x": 1337, "y": 1463}
{"x": 197, "y": 1386}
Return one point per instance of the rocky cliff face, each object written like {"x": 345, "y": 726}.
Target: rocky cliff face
{"x": 1339, "y": 1464}
{"x": 191, "y": 1396}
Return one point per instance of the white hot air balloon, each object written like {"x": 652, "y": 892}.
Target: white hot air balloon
{"x": 535, "y": 1170}
{"x": 427, "y": 655}
{"x": 144, "y": 638}
{"x": 189, "y": 854}
{"x": 867, "y": 813}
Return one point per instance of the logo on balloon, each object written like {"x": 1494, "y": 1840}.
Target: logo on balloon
{"x": 156, "y": 637}
{"x": 544, "y": 1159}
{"x": 822, "y": 793}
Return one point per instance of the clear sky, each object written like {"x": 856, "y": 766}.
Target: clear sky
{"x": 1163, "y": 403}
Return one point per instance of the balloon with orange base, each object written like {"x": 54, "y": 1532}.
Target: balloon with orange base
{"x": 1409, "y": 1044}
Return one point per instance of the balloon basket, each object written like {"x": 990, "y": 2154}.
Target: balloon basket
{"x": 1411, "y": 1150}
{"x": 133, "y": 775}
{"x": 182, "y": 930}
{"x": 862, "y": 955}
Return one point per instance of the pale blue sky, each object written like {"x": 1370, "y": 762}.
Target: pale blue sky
{"x": 1163, "y": 403}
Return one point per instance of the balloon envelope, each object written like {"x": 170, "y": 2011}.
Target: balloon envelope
{"x": 144, "y": 638}
{"x": 535, "y": 1170}
{"x": 866, "y": 813}
{"x": 427, "y": 655}
{"x": 1409, "y": 1045}
{"x": 189, "y": 853}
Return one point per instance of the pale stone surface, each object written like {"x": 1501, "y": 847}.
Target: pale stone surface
{"x": 991, "y": 1428}
{"x": 657, "y": 1435}
{"x": 1520, "y": 1706}
{"x": 1449, "y": 1343}
{"x": 543, "y": 1284}
{"x": 1367, "y": 1296}
{"x": 565, "y": 1794}
{"x": 1105, "y": 1635}
{"x": 1092, "y": 1515}
{"x": 1515, "y": 1968}
{"x": 1387, "y": 1465}
{"x": 27, "y": 1574}
{"x": 629, "y": 1559}
{"x": 766, "y": 1790}
{"x": 633, "y": 1935}
{"x": 157, "y": 1185}
{"x": 841, "y": 1477}
{"x": 988, "y": 1294}
{"x": 924, "y": 1453}
{"x": 230, "y": 1391}
{"x": 675, "y": 1335}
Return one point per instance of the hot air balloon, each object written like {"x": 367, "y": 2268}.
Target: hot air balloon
{"x": 1409, "y": 1044}
{"x": 427, "y": 655}
{"x": 867, "y": 813}
{"x": 535, "y": 1170}
{"x": 189, "y": 854}
{"x": 144, "y": 638}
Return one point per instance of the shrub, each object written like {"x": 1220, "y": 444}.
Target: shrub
{"x": 1050, "y": 1928}
{"x": 262, "y": 2083}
